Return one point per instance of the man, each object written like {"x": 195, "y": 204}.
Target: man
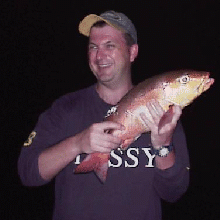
{"x": 74, "y": 126}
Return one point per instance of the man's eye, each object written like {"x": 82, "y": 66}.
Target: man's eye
{"x": 110, "y": 46}
{"x": 92, "y": 47}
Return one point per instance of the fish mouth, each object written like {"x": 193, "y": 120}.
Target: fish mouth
{"x": 205, "y": 84}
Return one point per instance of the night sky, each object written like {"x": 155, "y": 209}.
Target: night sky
{"x": 44, "y": 57}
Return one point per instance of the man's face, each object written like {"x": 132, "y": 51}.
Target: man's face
{"x": 109, "y": 55}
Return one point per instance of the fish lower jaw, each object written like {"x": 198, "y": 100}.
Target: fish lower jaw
{"x": 207, "y": 83}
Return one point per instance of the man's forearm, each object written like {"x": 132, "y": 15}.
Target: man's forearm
{"x": 52, "y": 160}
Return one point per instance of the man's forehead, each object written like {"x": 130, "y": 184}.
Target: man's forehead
{"x": 105, "y": 33}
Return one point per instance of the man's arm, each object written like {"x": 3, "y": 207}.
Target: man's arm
{"x": 172, "y": 172}
{"x": 162, "y": 128}
{"x": 52, "y": 160}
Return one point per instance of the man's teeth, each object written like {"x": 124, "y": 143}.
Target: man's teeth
{"x": 104, "y": 65}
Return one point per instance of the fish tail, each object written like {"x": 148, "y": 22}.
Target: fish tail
{"x": 97, "y": 162}
{"x": 101, "y": 171}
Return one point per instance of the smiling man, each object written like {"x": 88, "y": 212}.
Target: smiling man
{"x": 74, "y": 126}
{"x": 110, "y": 59}
{"x": 109, "y": 55}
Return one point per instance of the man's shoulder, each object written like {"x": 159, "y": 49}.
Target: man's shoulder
{"x": 82, "y": 93}
{"x": 74, "y": 98}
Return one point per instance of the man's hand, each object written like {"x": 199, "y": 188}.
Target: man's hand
{"x": 163, "y": 124}
{"x": 52, "y": 160}
{"x": 96, "y": 139}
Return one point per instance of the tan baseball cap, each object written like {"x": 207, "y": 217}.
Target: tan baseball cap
{"x": 115, "y": 19}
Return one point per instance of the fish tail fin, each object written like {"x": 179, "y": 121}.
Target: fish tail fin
{"x": 97, "y": 162}
{"x": 101, "y": 171}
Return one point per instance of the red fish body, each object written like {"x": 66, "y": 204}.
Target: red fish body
{"x": 177, "y": 87}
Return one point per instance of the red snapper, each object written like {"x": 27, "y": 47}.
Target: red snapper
{"x": 170, "y": 88}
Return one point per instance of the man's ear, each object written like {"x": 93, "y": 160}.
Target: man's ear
{"x": 133, "y": 52}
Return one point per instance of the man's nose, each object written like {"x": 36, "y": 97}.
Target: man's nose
{"x": 100, "y": 54}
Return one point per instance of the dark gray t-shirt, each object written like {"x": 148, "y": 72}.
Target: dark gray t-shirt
{"x": 133, "y": 188}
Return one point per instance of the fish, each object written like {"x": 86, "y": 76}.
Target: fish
{"x": 178, "y": 87}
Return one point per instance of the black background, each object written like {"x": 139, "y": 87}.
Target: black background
{"x": 43, "y": 57}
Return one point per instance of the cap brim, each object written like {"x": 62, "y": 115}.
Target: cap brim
{"x": 86, "y": 24}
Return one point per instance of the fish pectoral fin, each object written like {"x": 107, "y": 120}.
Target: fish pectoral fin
{"x": 97, "y": 162}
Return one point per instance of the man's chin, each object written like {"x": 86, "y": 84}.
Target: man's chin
{"x": 104, "y": 77}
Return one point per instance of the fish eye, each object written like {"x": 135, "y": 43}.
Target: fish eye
{"x": 184, "y": 79}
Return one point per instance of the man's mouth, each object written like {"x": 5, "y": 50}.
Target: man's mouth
{"x": 104, "y": 65}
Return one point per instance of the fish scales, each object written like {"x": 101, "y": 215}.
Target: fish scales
{"x": 177, "y": 87}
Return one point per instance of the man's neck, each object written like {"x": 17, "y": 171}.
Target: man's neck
{"x": 112, "y": 94}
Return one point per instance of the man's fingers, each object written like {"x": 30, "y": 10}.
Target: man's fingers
{"x": 105, "y": 142}
{"x": 157, "y": 107}
{"x": 110, "y": 125}
{"x": 109, "y": 138}
{"x": 105, "y": 147}
{"x": 102, "y": 141}
{"x": 155, "y": 110}
{"x": 148, "y": 122}
{"x": 177, "y": 112}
